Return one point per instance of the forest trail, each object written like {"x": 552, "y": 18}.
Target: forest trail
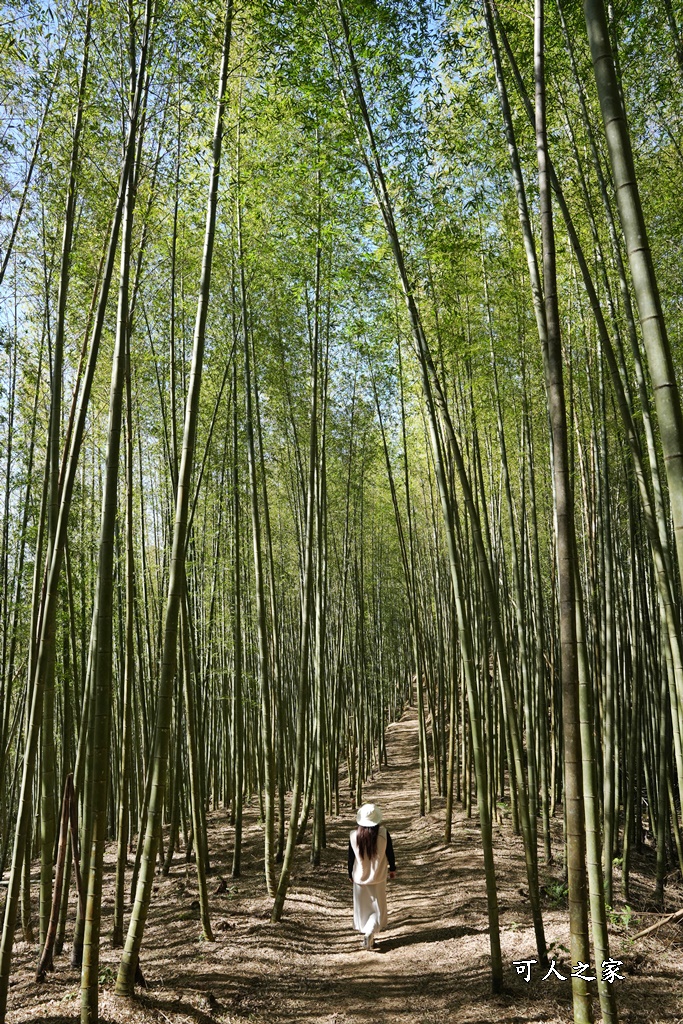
{"x": 431, "y": 965}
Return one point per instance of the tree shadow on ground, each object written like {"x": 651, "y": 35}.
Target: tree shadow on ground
{"x": 415, "y": 937}
{"x": 180, "y": 1006}
{"x": 61, "y": 1018}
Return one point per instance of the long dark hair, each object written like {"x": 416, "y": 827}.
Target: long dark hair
{"x": 367, "y": 840}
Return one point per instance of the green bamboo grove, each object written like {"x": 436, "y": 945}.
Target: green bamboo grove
{"x": 340, "y": 349}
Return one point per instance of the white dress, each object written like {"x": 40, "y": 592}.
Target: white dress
{"x": 370, "y": 886}
{"x": 370, "y": 908}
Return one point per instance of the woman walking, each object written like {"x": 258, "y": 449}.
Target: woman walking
{"x": 371, "y": 860}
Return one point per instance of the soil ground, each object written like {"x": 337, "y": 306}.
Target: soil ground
{"x": 430, "y": 967}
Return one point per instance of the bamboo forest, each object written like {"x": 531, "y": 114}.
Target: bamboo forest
{"x": 341, "y": 496}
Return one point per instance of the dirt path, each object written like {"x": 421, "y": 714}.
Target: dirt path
{"x": 431, "y": 965}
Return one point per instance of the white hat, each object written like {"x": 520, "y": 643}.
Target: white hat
{"x": 369, "y": 815}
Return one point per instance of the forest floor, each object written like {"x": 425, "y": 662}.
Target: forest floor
{"x": 430, "y": 967}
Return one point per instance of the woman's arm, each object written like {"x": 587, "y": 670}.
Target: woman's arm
{"x": 390, "y": 854}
